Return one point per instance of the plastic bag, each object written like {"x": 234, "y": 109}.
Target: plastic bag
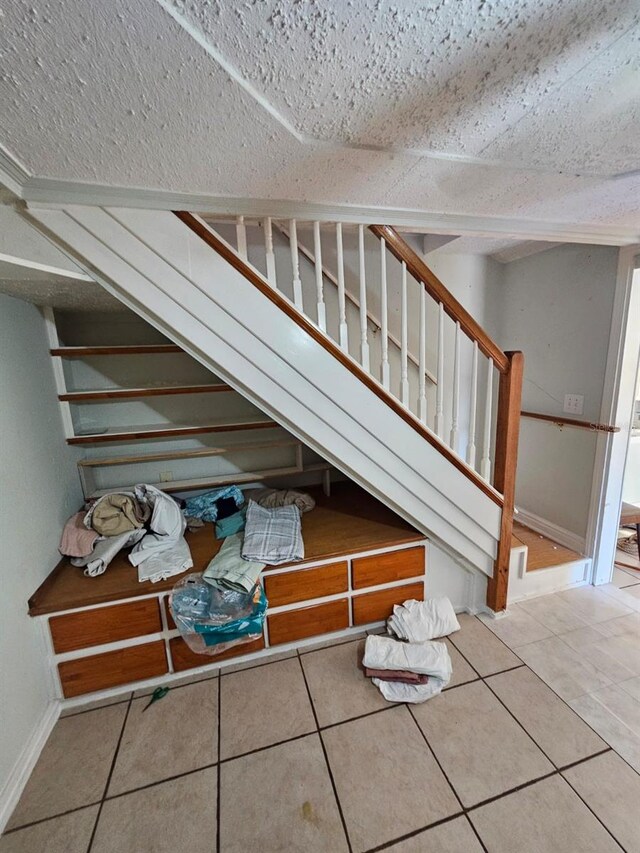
{"x": 211, "y": 620}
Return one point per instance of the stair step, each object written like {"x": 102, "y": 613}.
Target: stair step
{"x": 160, "y": 391}
{"x": 141, "y": 432}
{"x": 543, "y": 553}
{"x": 106, "y": 461}
{"x": 131, "y": 349}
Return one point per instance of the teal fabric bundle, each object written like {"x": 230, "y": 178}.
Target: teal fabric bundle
{"x": 231, "y": 524}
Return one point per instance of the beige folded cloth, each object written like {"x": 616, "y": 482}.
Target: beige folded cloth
{"x": 272, "y": 498}
{"x": 115, "y": 514}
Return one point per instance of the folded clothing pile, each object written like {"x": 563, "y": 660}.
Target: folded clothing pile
{"x": 273, "y": 536}
{"x": 210, "y": 506}
{"x": 272, "y": 498}
{"x": 397, "y": 658}
{"x": 229, "y": 570}
{"x": 146, "y": 518}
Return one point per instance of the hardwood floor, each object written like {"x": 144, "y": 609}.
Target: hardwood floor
{"x": 543, "y": 552}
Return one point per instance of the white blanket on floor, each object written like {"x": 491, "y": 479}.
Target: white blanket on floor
{"x": 427, "y": 658}
{"x": 417, "y": 621}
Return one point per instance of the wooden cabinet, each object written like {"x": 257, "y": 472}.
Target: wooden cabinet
{"x": 102, "y": 625}
{"x": 110, "y": 669}
{"x": 376, "y": 606}
{"x": 386, "y": 568}
{"x": 301, "y": 585}
{"x": 183, "y": 658}
{"x": 308, "y": 622}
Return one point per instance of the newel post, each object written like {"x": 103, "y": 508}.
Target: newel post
{"x": 504, "y": 480}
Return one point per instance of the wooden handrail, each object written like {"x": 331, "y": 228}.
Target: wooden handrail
{"x": 131, "y": 349}
{"x": 436, "y": 289}
{"x": 572, "y": 422}
{"x": 504, "y": 478}
{"x": 252, "y": 275}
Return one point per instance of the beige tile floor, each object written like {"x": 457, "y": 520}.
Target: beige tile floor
{"x": 301, "y": 753}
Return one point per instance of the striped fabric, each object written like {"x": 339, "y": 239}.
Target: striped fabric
{"x": 273, "y": 536}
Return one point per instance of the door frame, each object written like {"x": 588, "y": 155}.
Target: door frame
{"x": 617, "y": 408}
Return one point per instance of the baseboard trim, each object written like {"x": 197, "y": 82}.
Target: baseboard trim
{"x": 553, "y": 531}
{"x": 26, "y": 761}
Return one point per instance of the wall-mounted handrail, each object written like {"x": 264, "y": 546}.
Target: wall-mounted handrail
{"x": 252, "y": 275}
{"x": 571, "y": 422}
{"x": 436, "y": 289}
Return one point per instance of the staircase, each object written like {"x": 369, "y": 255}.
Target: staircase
{"x": 412, "y": 400}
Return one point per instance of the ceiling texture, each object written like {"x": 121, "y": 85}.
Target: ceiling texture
{"x": 507, "y": 108}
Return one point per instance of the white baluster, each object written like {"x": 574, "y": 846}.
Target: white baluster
{"x": 271, "y": 258}
{"x": 384, "y": 330}
{"x": 342, "y": 306}
{"x": 295, "y": 263}
{"x": 471, "y": 446}
{"x": 317, "y": 251}
{"x": 439, "y": 420}
{"x": 485, "y": 462}
{"x": 455, "y": 403}
{"x": 241, "y": 237}
{"x": 422, "y": 356}
{"x": 404, "y": 343}
{"x": 364, "y": 326}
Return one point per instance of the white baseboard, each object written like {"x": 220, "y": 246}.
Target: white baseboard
{"x": 25, "y": 763}
{"x": 553, "y": 531}
{"x": 524, "y": 584}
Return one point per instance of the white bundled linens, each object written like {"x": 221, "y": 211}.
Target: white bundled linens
{"x": 272, "y": 536}
{"x": 228, "y": 570}
{"x": 417, "y": 621}
{"x": 163, "y": 552}
{"x": 104, "y": 550}
{"x": 427, "y": 658}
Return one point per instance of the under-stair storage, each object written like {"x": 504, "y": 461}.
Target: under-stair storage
{"x": 108, "y": 631}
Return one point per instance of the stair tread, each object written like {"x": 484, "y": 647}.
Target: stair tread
{"x": 141, "y": 431}
{"x": 543, "y": 553}
{"x": 129, "y": 349}
{"x": 157, "y": 391}
{"x": 350, "y": 521}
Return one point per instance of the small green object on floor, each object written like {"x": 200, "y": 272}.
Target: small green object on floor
{"x": 158, "y": 693}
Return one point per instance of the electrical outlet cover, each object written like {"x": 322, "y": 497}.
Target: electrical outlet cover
{"x": 573, "y": 404}
{"x": 166, "y": 476}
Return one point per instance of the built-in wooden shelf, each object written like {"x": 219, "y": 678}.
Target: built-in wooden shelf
{"x": 106, "y": 461}
{"x": 132, "y": 349}
{"x": 171, "y": 431}
{"x": 160, "y": 391}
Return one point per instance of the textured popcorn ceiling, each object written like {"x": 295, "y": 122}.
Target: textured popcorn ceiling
{"x": 529, "y": 107}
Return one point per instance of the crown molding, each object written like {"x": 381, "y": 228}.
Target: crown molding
{"x": 13, "y": 174}
{"x": 40, "y": 192}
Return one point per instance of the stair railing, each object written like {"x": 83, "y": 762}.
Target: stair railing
{"x": 327, "y": 277}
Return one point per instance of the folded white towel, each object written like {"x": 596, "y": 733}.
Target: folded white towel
{"x": 428, "y": 658}
{"x": 417, "y": 621}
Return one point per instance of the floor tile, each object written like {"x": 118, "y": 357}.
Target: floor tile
{"x": 479, "y": 745}
{"x": 179, "y": 682}
{"x": 92, "y": 706}
{"x": 621, "y": 578}
{"x": 612, "y": 790}
{"x": 70, "y": 833}
{"x": 175, "y": 735}
{"x": 73, "y": 767}
{"x": 176, "y": 815}
{"x": 553, "y": 613}
{"x": 547, "y": 817}
{"x": 337, "y": 683}
{"x": 608, "y": 654}
{"x": 248, "y": 664}
{"x": 461, "y": 671}
{"x": 559, "y": 732}
{"x": 263, "y": 706}
{"x": 610, "y": 728}
{"x": 484, "y": 651}
{"x": 623, "y": 625}
{"x": 516, "y": 628}
{"x": 628, "y": 597}
{"x": 280, "y": 799}
{"x": 387, "y": 779}
{"x": 334, "y": 641}
{"x": 632, "y": 687}
{"x": 622, "y": 704}
{"x": 562, "y": 668}
{"x": 593, "y": 606}
{"x": 455, "y": 836}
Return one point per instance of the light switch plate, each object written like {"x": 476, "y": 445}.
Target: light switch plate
{"x": 166, "y": 476}
{"x": 573, "y": 404}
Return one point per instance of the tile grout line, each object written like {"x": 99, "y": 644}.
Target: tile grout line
{"x": 401, "y": 838}
{"x": 51, "y": 817}
{"x": 111, "y": 769}
{"x": 326, "y": 758}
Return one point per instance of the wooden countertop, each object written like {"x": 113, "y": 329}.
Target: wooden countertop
{"x": 349, "y": 521}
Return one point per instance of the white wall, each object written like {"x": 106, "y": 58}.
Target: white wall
{"x": 556, "y": 307}
{"x": 40, "y": 489}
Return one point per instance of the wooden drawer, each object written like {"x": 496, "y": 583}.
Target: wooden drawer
{"x": 290, "y": 587}
{"x": 307, "y": 622}
{"x": 167, "y": 611}
{"x": 97, "y": 672}
{"x": 386, "y": 568}
{"x": 86, "y": 628}
{"x": 184, "y": 658}
{"x": 376, "y": 606}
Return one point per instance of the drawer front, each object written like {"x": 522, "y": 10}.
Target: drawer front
{"x": 376, "y": 606}
{"x": 308, "y": 622}
{"x": 183, "y": 658}
{"x": 86, "y": 628}
{"x": 167, "y": 610}
{"x": 386, "y": 568}
{"x": 290, "y": 587}
{"x": 98, "y": 672}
